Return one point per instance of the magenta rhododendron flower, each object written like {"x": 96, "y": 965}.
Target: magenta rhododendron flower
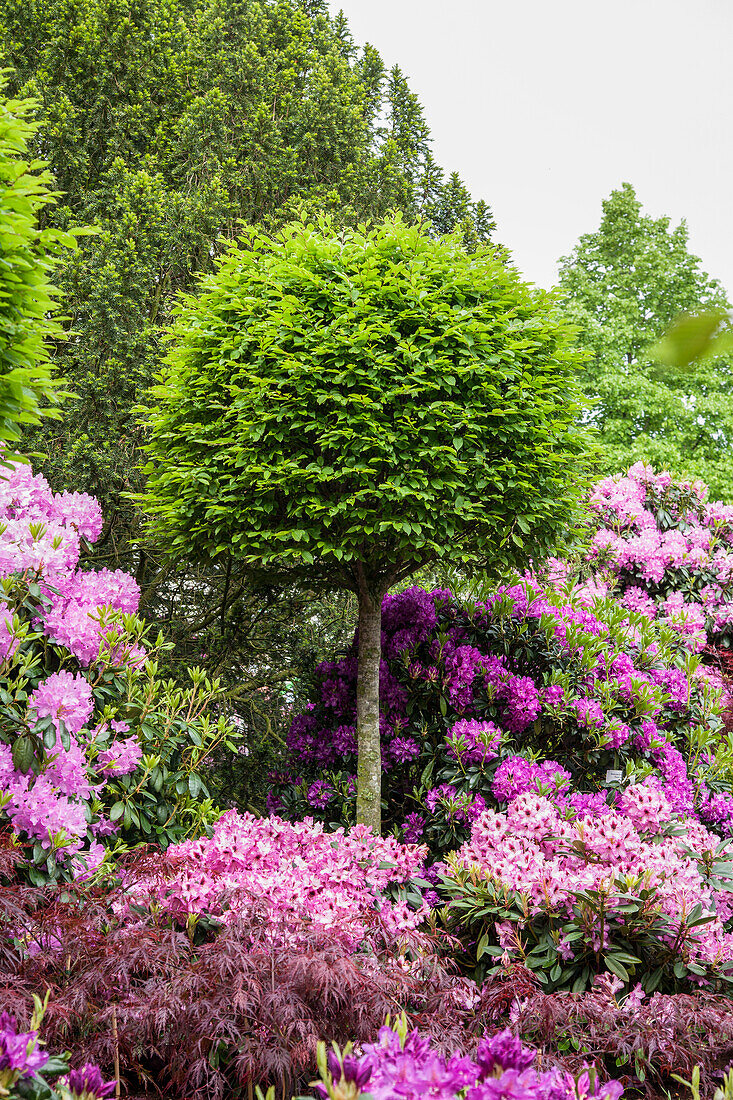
{"x": 19, "y": 1054}
{"x": 406, "y": 1066}
{"x": 87, "y": 1083}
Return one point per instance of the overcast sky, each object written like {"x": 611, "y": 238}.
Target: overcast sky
{"x": 544, "y": 106}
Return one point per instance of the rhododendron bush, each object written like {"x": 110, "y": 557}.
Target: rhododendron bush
{"x": 91, "y": 742}
{"x": 667, "y": 551}
{"x": 352, "y": 883}
{"x": 630, "y": 890}
{"x": 531, "y": 690}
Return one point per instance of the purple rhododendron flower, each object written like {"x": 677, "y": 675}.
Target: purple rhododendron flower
{"x": 14, "y": 1048}
{"x": 503, "y": 1051}
{"x": 320, "y": 793}
{"x": 88, "y": 1082}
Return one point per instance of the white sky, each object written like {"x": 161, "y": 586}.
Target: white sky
{"x": 544, "y": 106}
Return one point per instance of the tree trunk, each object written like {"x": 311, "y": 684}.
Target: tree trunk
{"x": 369, "y": 775}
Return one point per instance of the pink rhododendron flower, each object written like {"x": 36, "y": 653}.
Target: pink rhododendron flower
{"x": 65, "y": 696}
{"x": 334, "y": 879}
{"x": 549, "y": 859}
{"x": 122, "y": 757}
{"x": 40, "y": 540}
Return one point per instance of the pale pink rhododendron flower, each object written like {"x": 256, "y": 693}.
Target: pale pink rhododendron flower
{"x": 654, "y": 532}
{"x": 122, "y": 757}
{"x": 549, "y": 859}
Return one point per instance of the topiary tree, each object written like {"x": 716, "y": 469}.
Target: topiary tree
{"x": 347, "y": 408}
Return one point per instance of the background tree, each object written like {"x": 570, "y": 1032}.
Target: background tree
{"x": 28, "y": 301}
{"x": 626, "y": 284}
{"x": 169, "y": 125}
{"x": 344, "y": 409}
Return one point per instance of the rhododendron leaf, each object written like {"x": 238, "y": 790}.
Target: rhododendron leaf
{"x": 626, "y": 958}
{"x": 64, "y": 736}
{"x": 616, "y": 967}
{"x": 23, "y": 754}
{"x": 117, "y": 811}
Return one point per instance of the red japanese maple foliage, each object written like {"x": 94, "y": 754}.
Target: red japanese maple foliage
{"x": 201, "y": 1008}
{"x": 204, "y": 1009}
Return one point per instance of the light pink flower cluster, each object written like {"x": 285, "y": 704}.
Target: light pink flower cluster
{"x": 65, "y": 696}
{"x": 51, "y": 807}
{"x": 549, "y": 859}
{"x": 667, "y": 549}
{"x": 37, "y": 806}
{"x": 122, "y": 757}
{"x": 335, "y": 880}
{"x": 40, "y": 539}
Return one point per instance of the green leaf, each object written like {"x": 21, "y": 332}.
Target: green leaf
{"x": 23, "y": 754}
{"x": 616, "y": 967}
{"x": 692, "y": 337}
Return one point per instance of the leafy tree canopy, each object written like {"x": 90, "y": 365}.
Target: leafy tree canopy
{"x": 373, "y": 397}
{"x": 28, "y": 254}
{"x": 344, "y": 408}
{"x": 626, "y": 284}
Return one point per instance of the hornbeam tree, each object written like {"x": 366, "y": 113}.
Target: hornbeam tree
{"x": 344, "y": 408}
